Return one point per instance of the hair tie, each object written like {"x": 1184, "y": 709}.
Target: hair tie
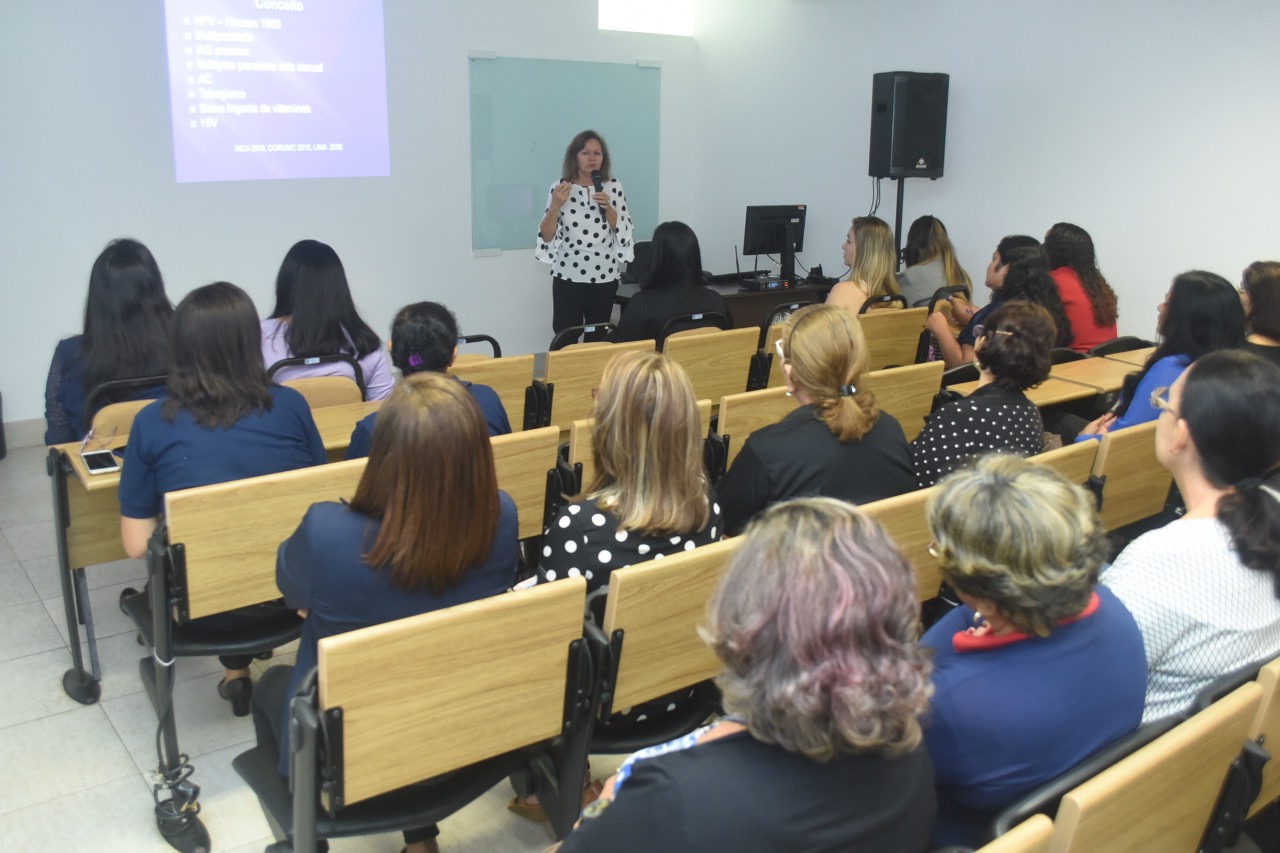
{"x": 1248, "y": 484}
{"x": 848, "y": 390}
{"x": 415, "y": 360}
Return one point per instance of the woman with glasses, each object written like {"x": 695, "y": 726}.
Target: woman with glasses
{"x": 1204, "y": 588}
{"x": 1012, "y": 352}
{"x": 1038, "y": 668}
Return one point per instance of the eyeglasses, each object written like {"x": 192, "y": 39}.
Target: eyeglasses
{"x": 99, "y": 442}
{"x": 980, "y": 331}
{"x": 933, "y": 551}
{"x": 1158, "y": 401}
{"x": 777, "y": 345}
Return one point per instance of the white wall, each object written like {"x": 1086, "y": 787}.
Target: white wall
{"x": 1153, "y": 125}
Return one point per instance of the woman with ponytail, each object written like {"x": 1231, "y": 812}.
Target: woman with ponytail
{"x": 837, "y": 443}
{"x": 1205, "y": 589}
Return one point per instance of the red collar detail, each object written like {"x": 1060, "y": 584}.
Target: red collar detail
{"x": 966, "y": 641}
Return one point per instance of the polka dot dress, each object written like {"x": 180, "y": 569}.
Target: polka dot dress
{"x": 990, "y": 418}
{"x": 585, "y": 541}
{"x": 584, "y": 247}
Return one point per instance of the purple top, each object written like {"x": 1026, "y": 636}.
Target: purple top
{"x": 378, "y": 380}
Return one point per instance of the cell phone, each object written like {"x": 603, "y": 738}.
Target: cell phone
{"x": 100, "y": 461}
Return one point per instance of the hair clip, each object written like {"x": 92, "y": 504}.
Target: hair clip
{"x": 415, "y": 360}
{"x": 848, "y": 390}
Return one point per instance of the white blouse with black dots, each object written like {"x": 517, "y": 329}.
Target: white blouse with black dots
{"x": 989, "y": 419}
{"x": 585, "y": 541}
{"x": 584, "y": 247}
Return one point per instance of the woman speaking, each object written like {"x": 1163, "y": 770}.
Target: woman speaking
{"x": 585, "y": 235}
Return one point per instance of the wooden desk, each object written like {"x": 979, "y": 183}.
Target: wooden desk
{"x": 1100, "y": 374}
{"x": 1048, "y": 393}
{"x": 1135, "y": 357}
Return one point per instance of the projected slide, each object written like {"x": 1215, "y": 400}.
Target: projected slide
{"x": 270, "y": 89}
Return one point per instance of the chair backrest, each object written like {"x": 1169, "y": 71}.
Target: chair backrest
{"x": 357, "y": 373}
{"x": 1030, "y": 836}
{"x": 336, "y": 423}
{"x": 100, "y": 393}
{"x": 1136, "y": 485}
{"x": 580, "y": 440}
{"x": 658, "y": 607}
{"x": 494, "y": 346}
{"x": 743, "y": 414}
{"x": 1124, "y": 343}
{"x": 718, "y": 362}
{"x": 776, "y": 317}
{"x": 522, "y": 460}
{"x": 1063, "y": 355}
{"x": 907, "y": 393}
{"x": 903, "y": 518}
{"x": 1160, "y": 797}
{"x": 699, "y": 320}
{"x": 1073, "y": 461}
{"x": 575, "y": 372}
{"x": 960, "y": 374}
{"x": 590, "y": 333}
{"x": 321, "y": 391}
{"x": 893, "y": 336}
{"x": 229, "y": 532}
{"x": 450, "y": 688}
{"x": 886, "y": 301}
{"x": 1266, "y": 725}
{"x": 116, "y": 419}
{"x": 509, "y": 377}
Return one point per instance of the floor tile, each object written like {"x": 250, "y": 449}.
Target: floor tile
{"x": 116, "y": 816}
{"x": 43, "y": 758}
{"x": 27, "y": 503}
{"x": 118, "y": 658}
{"x": 7, "y": 554}
{"x": 104, "y": 604}
{"x": 34, "y": 539}
{"x": 36, "y": 687}
{"x": 15, "y": 586}
{"x": 26, "y": 629}
{"x": 43, "y": 574}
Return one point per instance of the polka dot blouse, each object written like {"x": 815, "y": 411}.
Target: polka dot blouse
{"x": 991, "y": 418}
{"x": 584, "y": 247}
{"x": 585, "y": 541}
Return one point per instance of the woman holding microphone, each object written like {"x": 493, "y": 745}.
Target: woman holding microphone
{"x": 586, "y": 234}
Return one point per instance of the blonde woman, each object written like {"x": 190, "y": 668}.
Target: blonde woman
{"x": 837, "y": 443}
{"x": 869, "y": 253}
{"x": 650, "y": 496}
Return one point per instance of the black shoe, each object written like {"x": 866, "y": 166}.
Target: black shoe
{"x": 126, "y": 594}
{"x": 267, "y": 655}
{"x": 238, "y": 692}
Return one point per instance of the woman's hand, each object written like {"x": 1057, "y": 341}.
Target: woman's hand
{"x": 561, "y": 194}
{"x": 962, "y": 310}
{"x": 601, "y": 198}
{"x": 1100, "y": 426}
{"x": 938, "y": 324}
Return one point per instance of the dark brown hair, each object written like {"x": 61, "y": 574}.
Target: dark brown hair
{"x": 430, "y": 479}
{"x": 569, "y": 170}
{"x": 1070, "y": 246}
{"x": 1017, "y": 338}
{"x": 1261, "y": 283}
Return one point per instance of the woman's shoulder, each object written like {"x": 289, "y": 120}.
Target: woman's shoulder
{"x": 68, "y": 348}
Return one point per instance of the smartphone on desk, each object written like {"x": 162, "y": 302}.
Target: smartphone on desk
{"x": 100, "y": 461}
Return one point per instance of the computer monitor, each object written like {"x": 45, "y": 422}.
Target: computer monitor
{"x": 775, "y": 229}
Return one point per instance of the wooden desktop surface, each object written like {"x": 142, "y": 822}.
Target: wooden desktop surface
{"x": 1101, "y": 374}
{"x": 1048, "y": 393}
{"x": 1135, "y": 357}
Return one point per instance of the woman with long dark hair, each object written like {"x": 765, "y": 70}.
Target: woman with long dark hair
{"x": 930, "y": 262}
{"x": 427, "y": 529}
{"x": 315, "y": 316}
{"x": 1200, "y": 314}
{"x": 1205, "y": 589}
{"x": 673, "y": 287}
{"x": 1087, "y": 299}
{"x": 222, "y": 420}
{"x": 126, "y": 336}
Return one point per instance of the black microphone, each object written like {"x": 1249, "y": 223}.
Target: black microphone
{"x": 598, "y": 180}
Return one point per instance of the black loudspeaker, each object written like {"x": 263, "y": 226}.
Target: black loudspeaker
{"x": 908, "y": 124}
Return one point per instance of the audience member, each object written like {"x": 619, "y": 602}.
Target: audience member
{"x": 126, "y": 336}
{"x": 815, "y": 621}
{"x": 930, "y": 261}
{"x": 1260, "y": 291}
{"x": 1200, "y": 314}
{"x": 837, "y": 443}
{"x": 315, "y": 316}
{"x": 872, "y": 262}
{"x": 1012, "y": 354}
{"x": 672, "y": 288}
{"x": 222, "y": 420}
{"x": 424, "y": 337}
{"x": 427, "y": 529}
{"x": 1038, "y": 668}
{"x": 1204, "y": 588}
{"x": 1087, "y": 299}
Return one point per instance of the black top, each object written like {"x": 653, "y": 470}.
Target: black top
{"x": 649, "y": 310}
{"x": 1271, "y": 354}
{"x": 798, "y": 456}
{"x": 738, "y": 795}
{"x": 991, "y": 418}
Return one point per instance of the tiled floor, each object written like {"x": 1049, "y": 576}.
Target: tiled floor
{"x": 75, "y": 777}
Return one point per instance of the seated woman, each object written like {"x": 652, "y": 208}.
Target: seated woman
{"x": 427, "y": 529}
{"x": 1204, "y": 588}
{"x": 424, "y": 337}
{"x": 1087, "y": 299}
{"x": 1018, "y": 270}
{"x": 315, "y": 316}
{"x": 837, "y": 443}
{"x": 650, "y": 496}
{"x": 930, "y": 262}
{"x": 221, "y": 421}
{"x": 1260, "y": 288}
{"x": 672, "y": 288}
{"x": 1012, "y": 355}
{"x": 815, "y": 622}
{"x": 1200, "y": 314}
{"x": 871, "y": 258}
{"x": 126, "y": 336}
{"x": 1038, "y": 668}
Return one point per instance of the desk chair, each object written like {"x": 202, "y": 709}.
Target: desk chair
{"x": 104, "y": 394}
{"x": 718, "y": 362}
{"x": 357, "y": 374}
{"x": 565, "y": 392}
{"x": 893, "y": 337}
{"x": 884, "y": 302}
{"x": 1134, "y": 483}
{"x": 766, "y": 369}
{"x": 907, "y": 393}
{"x": 1030, "y": 836}
{"x": 196, "y": 569}
{"x": 942, "y": 294}
{"x": 1075, "y": 462}
{"x": 322, "y": 391}
{"x": 116, "y": 419}
{"x": 1063, "y": 355}
{"x": 1265, "y": 729}
{"x": 511, "y": 378}
{"x": 903, "y": 519}
{"x": 743, "y": 414}
{"x": 591, "y": 333}
{"x": 1124, "y": 343}
{"x": 960, "y": 374}
{"x": 482, "y": 339}
{"x": 687, "y": 322}
{"x": 460, "y": 697}
{"x": 525, "y": 463}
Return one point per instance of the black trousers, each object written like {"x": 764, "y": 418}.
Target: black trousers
{"x": 577, "y": 303}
